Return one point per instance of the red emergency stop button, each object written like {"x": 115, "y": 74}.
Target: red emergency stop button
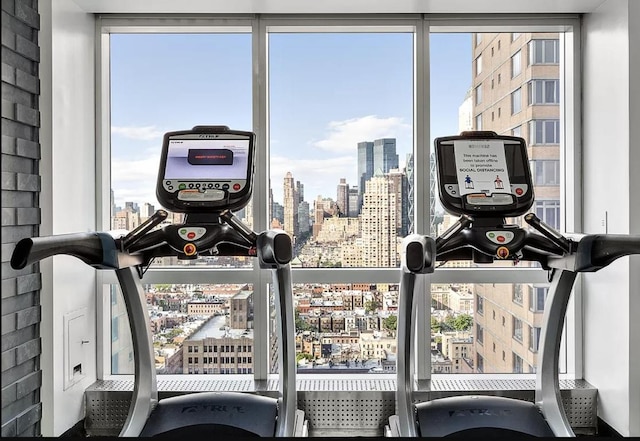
{"x": 236, "y": 187}
{"x": 500, "y": 239}
{"x": 502, "y": 252}
{"x": 191, "y": 235}
{"x": 189, "y": 249}
{"x": 519, "y": 191}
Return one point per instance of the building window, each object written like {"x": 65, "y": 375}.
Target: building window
{"x": 517, "y": 329}
{"x": 537, "y": 299}
{"x": 280, "y": 59}
{"x": 480, "y": 367}
{"x": 517, "y": 131}
{"x": 534, "y": 338}
{"x": 544, "y": 92}
{"x": 549, "y": 212}
{"x": 516, "y": 64}
{"x": 518, "y": 364}
{"x": 544, "y": 131}
{"x": 516, "y": 101}
{"x": 478, "y": 94}
{"x": 517, "y": 294}
{"x": 546, "y": 172}
{"x": 544, "y": 52}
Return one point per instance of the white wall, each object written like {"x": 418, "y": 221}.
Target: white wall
{"x": 611, "y": 182}
{"x": 67, "y": 199}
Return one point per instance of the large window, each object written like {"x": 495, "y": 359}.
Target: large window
{"x": 546, "y": 172}
{"x": 543, "y": 51}
{"x": 544, "y": 131}
{"x": 544, "y": 92}
{"x": 345, "y": 113}
{"x": 341, "y": 144}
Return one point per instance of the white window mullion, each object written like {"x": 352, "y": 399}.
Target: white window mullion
{"x": 422, "y": 199}
{"x": 262, "y": 334}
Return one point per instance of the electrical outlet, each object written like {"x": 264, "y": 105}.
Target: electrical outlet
{"x": 75, "y": 345}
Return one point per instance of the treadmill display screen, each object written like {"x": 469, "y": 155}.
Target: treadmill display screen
{"x": 202, "y": 170}
{"x": 483, "y": 174}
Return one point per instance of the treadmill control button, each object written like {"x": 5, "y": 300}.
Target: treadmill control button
{"x": 502, "y": 252}
{"x": 189, "y": 249}
{"x": 191, "y": 233}
{"x": 500, "y": 237}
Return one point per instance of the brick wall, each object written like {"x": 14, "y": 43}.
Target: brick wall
{"x": 21, "y": 374}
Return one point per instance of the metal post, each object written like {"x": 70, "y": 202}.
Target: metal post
{"x": 547, "y": 383}
{"x": 145, "y": 388}
{"x": 404, "y": 392}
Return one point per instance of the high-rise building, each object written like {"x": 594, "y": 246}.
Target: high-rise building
{"x": 516, "y": 91}
{"x": 322, "y": 208}
{"x": 290, "y": 206}
{"x": 300, "y": 191}
{"x": 465, "y": 113}
{"x": 399, "y": 186}
{"x": 410, "y": 194}
{"x": 353, "y": 201}
{"x": 241, "y": 310}
{"x": 113, "y": 203}
{"x": 374, "y": 157}
{"x": 343, "y": 198}
{"x": 147, "y": 210}
{"x": 303, "y": 217}
{"x": 384, "y": 155}
{"x": 365, "y": 167}
{"x": 379, "y": 223}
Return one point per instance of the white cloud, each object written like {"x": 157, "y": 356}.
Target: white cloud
{"x": 145, "y": 133}
{"x": 135, "y": 180}
{"x": 345, "y": 135}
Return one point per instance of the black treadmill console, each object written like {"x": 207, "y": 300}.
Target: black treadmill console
{"x": 206, "y": 169}
{"x": 484, "y": 174}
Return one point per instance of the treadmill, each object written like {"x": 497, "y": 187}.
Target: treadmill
{"x": 485, "y": 178}
{"x": 205, "y": 173}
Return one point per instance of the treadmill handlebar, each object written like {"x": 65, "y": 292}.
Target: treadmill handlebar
{"x": 599, "y": 250}
{"x": 486, "y": 244}
{"x": 97, "y": 249}
{"x": 190, "y": 240}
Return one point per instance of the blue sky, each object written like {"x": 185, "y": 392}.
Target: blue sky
{"x": 327, "y": 93}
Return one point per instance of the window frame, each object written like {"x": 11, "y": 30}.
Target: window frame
{"x": 422, "y": 25}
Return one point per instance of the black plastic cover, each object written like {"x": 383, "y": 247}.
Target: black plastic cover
{"x": 213, "y": 413}
{"x": 476, "y": 415}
